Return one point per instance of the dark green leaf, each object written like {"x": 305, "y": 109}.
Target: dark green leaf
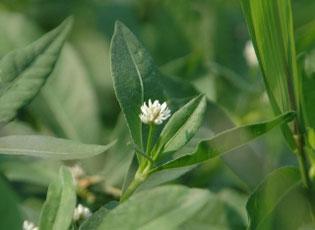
{"x": 170, "y": 207}
{"x": 24, "y": 71}
{"x": 252, "y": 172}
{"x": 279, "y": 202}
{"x": 226, "y": 141}
{"x": 305, "y": 37}
{"x": 58, "y": 208}
{"x": 135, "y": 77}
{"x": 9, "y": 212}
{"x": 49, "y": 147}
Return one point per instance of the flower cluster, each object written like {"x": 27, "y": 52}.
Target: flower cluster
{"x": 81, "y": 213}
{"x": 154, "y": 113}
{"x": 27, "y": 225}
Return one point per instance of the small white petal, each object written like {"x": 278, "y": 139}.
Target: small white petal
{"x": 154, "y": 113}
{"x": 81, "y": 213}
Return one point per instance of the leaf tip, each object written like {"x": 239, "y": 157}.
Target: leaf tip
{"x": 67, "y": 23}
{"x": 119, "y": 25}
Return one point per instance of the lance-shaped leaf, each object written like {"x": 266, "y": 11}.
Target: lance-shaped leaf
{"x": 57, "y": 211}
{"x": 24, "y": 71}
{"x": 135, "y": 77}
{"x": 279, "y": 198}
{"x": 183, "y": 125}
{"x": 226, "y": 141}
{"x": 275, "y": 48}
{"x": 49, "y": 147}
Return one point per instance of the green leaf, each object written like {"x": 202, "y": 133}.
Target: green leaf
{"x": 135, "y": 77}
{"x": 57, "y": 211}
{"x": 275, "y": 48}
{"x": 277, "y": 200}
{"x": 169, "y": 207}
{"x": 117, "y": 159}
{"x": 216, "y": 214}
{"x": 95, "y": 220}
{"x": 252, "y": 172}
{"x": 226, "y": 141}
{"x": 9, "y": 212}
{"x": 37, "y": 172}
{"x": 17, "y": 31}
{"x": 162, "y": 177}
{"x": 305, "y": 37}
{"x": 172, "y": 206}
{"x": 24, "y": 71}
{"x": 183, "y": 125}
{"x": 49, "y": 147}
{"x": 309, "y": 95}
{"x": 66, "y": 92}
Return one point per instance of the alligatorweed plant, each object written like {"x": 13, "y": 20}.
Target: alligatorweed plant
{"x": 166, "y": 131}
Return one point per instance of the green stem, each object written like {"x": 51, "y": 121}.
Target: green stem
{"x": 139, "y": 178}
{"x": 303, "y": 161}
{"x": 144, "y": 168}
{"x": 150, "y": 139}
{"x": 131, "y": 188}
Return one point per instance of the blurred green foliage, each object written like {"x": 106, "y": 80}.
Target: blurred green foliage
{"x": 199, "y": 42}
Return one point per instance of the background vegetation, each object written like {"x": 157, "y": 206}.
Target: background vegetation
{"x": 200, "y": 42}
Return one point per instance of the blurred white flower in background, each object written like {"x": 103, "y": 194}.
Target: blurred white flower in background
{"x": 154, "y": 113}
{"x": 81, "y": 213}
{"x": 250, "y": 55}
{"x": 27, "y": 225}
{"x": 77, "y": 172}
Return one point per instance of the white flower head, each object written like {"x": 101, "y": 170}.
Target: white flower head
{"x": 250, "y": 55}
{"x": 27, "y": 225}
{"x": 154, "y": 113}
{"x": 81, "y": 213}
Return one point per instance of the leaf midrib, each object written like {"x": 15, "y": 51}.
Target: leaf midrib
{"x": 27, "y": 66}
{"x": 275, "y": 205}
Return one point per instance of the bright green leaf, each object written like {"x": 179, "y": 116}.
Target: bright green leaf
{"x": 57, "y": 211}
{"x": 49, "y": 147}
{"x": 275, "y": 47}
{"x": 24, "y": 71}
{"x": 226, "y": 141}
